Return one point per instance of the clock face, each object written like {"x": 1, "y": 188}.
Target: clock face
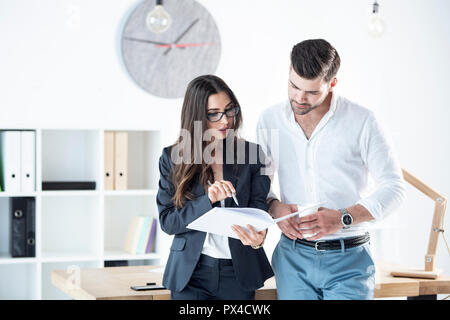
{"x": 164, "y": 63}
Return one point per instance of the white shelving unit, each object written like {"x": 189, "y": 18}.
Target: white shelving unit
{"x": 81, "y": 228}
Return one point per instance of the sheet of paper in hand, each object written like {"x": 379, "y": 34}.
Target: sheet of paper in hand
{"x": 219, "y": 220}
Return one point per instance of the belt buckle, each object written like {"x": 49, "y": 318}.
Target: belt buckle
{"x": 316, "y": 245}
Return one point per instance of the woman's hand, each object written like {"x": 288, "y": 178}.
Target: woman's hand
{"x": 220, "y": 190}
{"x": 250, "y": 239}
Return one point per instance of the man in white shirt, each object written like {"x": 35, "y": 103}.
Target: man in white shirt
{"x": 326, "y": 148}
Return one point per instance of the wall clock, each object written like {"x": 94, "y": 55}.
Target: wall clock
{"x": 164, "y": 63}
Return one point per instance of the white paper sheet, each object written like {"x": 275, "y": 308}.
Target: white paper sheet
{"x": 220, "y": 220}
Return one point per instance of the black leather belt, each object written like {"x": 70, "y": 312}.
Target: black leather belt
{"x": 324, "y": 245}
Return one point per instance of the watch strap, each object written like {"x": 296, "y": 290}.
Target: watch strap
{"x": 262, "y": 243}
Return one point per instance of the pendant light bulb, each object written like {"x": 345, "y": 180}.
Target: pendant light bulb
{"x": 376, "y": 25}
{"x": 158, "y": 20}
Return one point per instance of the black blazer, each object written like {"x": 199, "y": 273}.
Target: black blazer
{"x": 251, "y": 266}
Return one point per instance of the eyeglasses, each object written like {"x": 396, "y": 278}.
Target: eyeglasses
{"x": 217, "y": 116}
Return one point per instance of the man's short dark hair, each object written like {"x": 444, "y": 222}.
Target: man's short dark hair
{"x": 315, "y": 58}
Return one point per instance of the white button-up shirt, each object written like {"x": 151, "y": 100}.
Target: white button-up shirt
{"x": 333, "y": 166}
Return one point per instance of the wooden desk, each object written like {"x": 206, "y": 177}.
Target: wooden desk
{"x": 114, "y": 284}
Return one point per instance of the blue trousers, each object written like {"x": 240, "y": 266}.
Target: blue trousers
{"x": 303, "y": 273}
{"x": 213, "y": 279}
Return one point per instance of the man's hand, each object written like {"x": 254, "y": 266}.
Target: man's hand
{"x": 288, "y": 226}
{"x": 321, "y": 223}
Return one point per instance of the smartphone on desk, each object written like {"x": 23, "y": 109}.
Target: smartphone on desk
{"x": 152, "y": 286}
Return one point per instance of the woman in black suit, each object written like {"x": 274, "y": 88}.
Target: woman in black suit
{"x": 196, "y": 175}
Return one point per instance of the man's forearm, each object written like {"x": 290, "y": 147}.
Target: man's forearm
{"x": 359, "y": 214}
{"x": 270, "y": 205}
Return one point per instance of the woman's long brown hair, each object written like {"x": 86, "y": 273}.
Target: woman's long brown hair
{"x": 195, "y": 103}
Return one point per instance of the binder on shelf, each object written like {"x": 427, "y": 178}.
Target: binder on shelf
{"x": 109, "y": 173}
{"x": 23, "y": 227}
{"x": 143, "y": 238}
{"x": 28, "y": 160}
{"x": 10, "y": 149}
{"x": 31, "y": 228}
{"x": 151, "y": 239}
{"x": 134, "y": 232}
{"x": 121, "y": 161}
{"x": 18, "y": 227}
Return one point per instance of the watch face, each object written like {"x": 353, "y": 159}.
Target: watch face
{"x": 164, "y": 63}
{"x": 347, "y": 219}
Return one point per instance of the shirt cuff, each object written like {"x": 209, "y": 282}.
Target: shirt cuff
{"x": 374, "y": 208}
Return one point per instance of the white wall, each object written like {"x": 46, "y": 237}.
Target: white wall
{"x": 55, "y": 74}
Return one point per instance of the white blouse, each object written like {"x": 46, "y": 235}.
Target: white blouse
{"x": 215, "y": 245}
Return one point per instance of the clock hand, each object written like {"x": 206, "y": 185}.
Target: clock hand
{"x": 176, "y": 45}
{"x": 145, "y": 41}
{"x": 182, "y": 35}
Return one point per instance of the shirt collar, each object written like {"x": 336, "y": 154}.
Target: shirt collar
{"x": 333, "y": 103}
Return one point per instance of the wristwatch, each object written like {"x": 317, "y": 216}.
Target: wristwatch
{"x": 346, "y": 218}
{"x": 262, "y": 243}
{"x": 269, "y": 202}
